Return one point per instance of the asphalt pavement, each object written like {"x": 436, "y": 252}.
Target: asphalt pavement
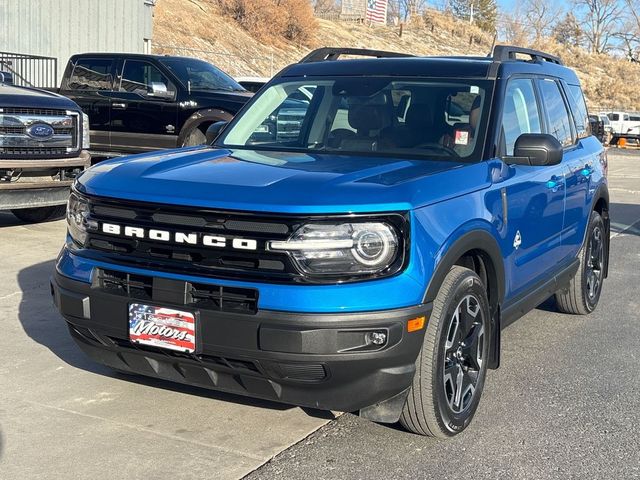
{"x": 564, "y": 404}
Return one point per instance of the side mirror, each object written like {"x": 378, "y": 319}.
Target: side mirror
{"x": 214, "y": 130}
{"x": 159, "y": 90}
{"x": 536, "y": 149}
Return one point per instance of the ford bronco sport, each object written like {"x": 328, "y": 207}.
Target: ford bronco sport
{"x": 367, "y": 263}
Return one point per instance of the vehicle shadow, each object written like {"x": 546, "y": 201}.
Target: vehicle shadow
{"x": 625, "y": 217}
{"x": 42, "y": 323}
{"x": 7, "y": 219}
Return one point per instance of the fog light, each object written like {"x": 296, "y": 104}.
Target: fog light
{"x": 376, "y": 338}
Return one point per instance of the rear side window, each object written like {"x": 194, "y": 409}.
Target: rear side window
{"x": 139, "y": 77}
{"x": 558, "y": 122}
{"x": 520, "y": 113}
{"x": 91, "y": 74}
{"x": 614, "y": 117}
{"x": 579, "y": 108}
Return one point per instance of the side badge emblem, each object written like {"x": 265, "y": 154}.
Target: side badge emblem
{"x": 517, "y": 241}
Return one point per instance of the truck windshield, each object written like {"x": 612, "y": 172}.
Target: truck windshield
{"x": 202, "y": 75}
{"x": 440, "y": 118}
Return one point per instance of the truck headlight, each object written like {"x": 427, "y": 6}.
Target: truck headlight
{"x": 343, "y": 248}
{"x": 85, "y": 132}
{"x": 78, "y": 221}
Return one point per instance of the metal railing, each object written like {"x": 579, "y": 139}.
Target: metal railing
{"x": 30, "y": 70}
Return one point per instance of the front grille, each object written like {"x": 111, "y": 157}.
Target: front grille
{"x": 259, "y": 264}
{"x": 226, "y": 261}
{"x": 32, "y": 151}
{"x": 16, "y": 140}
{"x": 32, "y": 111}
{"x": 198, "y": 295}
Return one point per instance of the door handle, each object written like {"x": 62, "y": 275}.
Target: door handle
{"x": 119, "y": 106}
{"x": 555, "y": 183}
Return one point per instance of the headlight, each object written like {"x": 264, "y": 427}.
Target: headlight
{"x": 78, "y": 218}
{"x": 85, "y": 131}
{"x": 342, "y": 249}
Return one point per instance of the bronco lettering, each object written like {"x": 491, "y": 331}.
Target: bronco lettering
{"x": 190, "y": 238}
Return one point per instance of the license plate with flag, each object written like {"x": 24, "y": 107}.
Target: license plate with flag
{"x": 162, "y": 327}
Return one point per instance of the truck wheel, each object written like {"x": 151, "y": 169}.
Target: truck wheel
{"x": 194, "y": 138}
{"x": 40, "y": 214}
{"x": 583, "y": 293}
{"x": 451, "y": 368}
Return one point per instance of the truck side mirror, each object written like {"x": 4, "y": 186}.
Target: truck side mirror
{"x": 214, "y": 130}
{"x": 159, "y": 90}
{"x": 536, "y": 149}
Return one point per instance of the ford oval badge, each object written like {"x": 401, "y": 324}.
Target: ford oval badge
{"x": 40, "y": 131}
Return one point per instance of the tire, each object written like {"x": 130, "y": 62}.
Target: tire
{"x": 445, "y": 366}
{"x": 40, "y": 214}
{"x": 583, "y": 292}
{"x": 194, "y": 138}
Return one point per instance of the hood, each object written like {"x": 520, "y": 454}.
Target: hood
{"x": 281, "y": 182}
{"x": 230, "y": 101}
{"x": 21, "y": 97}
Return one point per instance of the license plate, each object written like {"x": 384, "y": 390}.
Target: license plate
{"x": 162, "y": 327}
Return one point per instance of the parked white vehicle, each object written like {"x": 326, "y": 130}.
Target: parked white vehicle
{"x": 623, "y": 123}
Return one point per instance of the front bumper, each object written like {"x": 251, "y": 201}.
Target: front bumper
{"x": 312, "y": 360}
{"x": 41, "y": 193}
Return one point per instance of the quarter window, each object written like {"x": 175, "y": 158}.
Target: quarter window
{"x": 91, "y": 74}
{"x": 558, "y": 122}
{"x": 579, "y": 108}
{"x": 520, "y": 112}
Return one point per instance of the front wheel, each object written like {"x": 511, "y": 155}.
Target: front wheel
{"x": 194, "y": 138}
{"x": 582, "y": 294}
{"x": 451, "y": 368}
{"x": 40, "y": 214}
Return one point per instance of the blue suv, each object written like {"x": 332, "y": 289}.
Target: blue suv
{"x": 366, "y": 257}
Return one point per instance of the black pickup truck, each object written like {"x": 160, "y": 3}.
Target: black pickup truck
{"x": 43, "y": 146}
{"x": 139, "y": 103}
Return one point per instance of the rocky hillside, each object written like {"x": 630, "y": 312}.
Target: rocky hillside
{"x": 197, "y": 28}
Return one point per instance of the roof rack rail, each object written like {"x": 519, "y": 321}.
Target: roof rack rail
{"x": 331, "y": 53}
{"x": 503, "y": 53}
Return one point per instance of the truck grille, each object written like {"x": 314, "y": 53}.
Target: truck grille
{"x": 17, "y": 141}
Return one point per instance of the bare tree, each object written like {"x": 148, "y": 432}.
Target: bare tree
{"x": 325, "y": 6}
{"x": 600, "y": 22}
{"x": 540, "y": 15}
{"x": 512, "y": 29}
{"x": 630, "y": 35}
{"x": 409, "y": 8}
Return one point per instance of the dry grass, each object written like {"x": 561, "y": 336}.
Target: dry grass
{"x": 247, "y": 46}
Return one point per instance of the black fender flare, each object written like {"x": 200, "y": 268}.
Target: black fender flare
{"x": 483, "y": 242}
{"x": 480, "y": 240}
{"x": 206, "y": 115}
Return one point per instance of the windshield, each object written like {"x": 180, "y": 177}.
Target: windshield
{"x": 445, "y": 119}
{"x": 202, "y": 75}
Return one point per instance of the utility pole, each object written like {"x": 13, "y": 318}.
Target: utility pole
{"x": 471, "y": 15}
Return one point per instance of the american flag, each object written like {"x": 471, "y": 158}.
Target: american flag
{"x": 377, "y": 11}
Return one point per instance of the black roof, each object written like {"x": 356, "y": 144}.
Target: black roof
{"x": 131, "y": 55}
{"x": 504, "y": 62}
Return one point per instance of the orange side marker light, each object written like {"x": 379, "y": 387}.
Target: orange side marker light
{"x": 415, "y": 324}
